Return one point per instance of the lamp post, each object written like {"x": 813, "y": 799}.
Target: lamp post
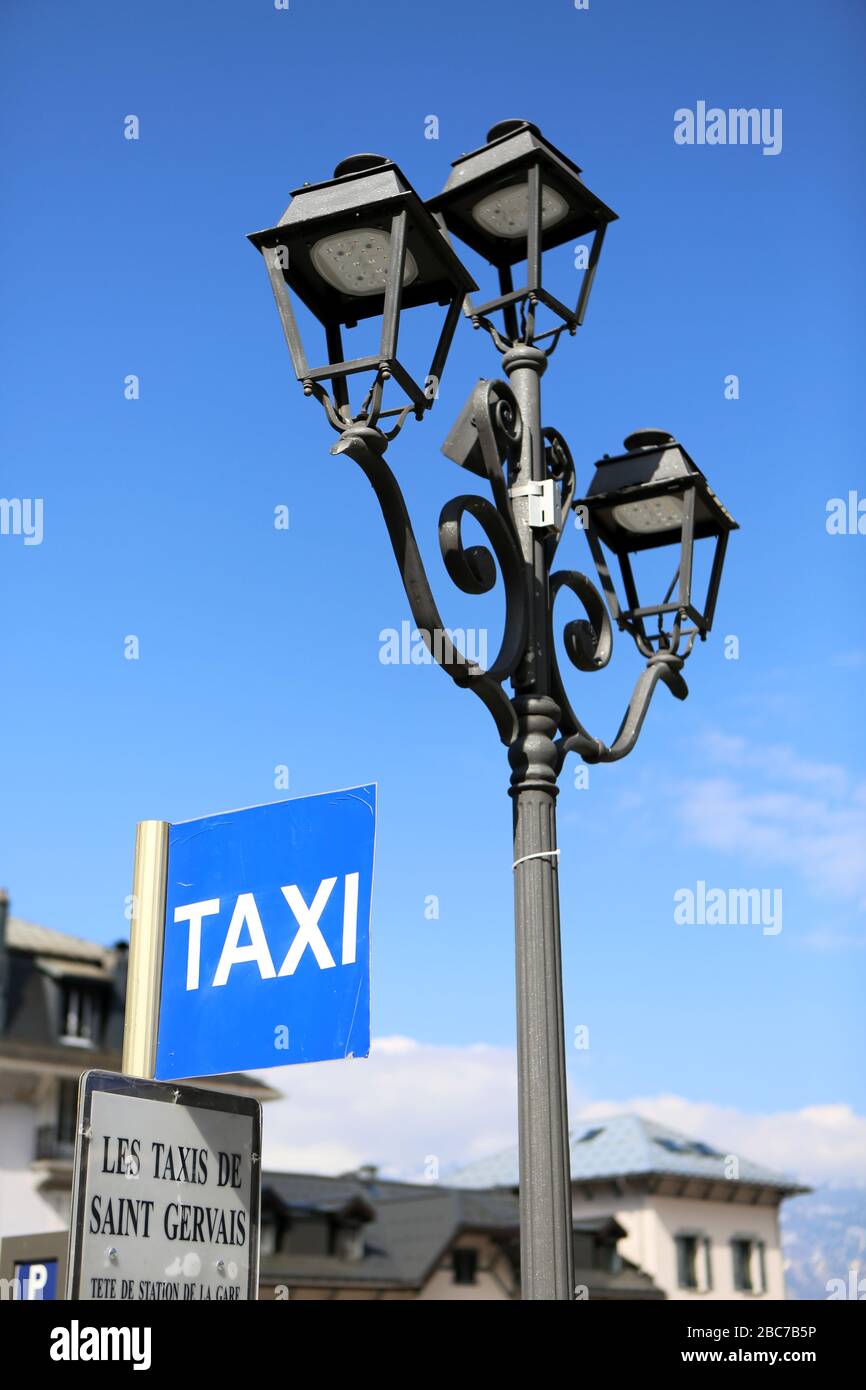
{"x": 363, "y": 244}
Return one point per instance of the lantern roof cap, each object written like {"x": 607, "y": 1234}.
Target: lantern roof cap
{"x": 508, "y": 143}
{"x": 655, "y": 464}
{"x": 366, "y": 191}
{"x": 511, "y": 145}
{"x": 502, "y": 128}
{"x": 647, "y": 439}
{"x": 515, "y": 147}
{"x": 359, "y": 164}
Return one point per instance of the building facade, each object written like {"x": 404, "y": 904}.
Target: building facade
{"x": 62, "y": 1001}
{"x": 702, "y": 1223}
{"x": 362, "y": 1237}
{"x": 655, "y": 1213}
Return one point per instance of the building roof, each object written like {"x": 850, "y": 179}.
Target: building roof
{"x": 29, "y": 1039}
{"x": 44, "y": 941}
{"x": 621, "y": 1146}
{"x": 412, "y": 1223}
{"x": 412, "y": 1227}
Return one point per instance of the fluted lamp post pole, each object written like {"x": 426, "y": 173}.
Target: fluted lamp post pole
{"x": 363, "y": 245}
{"x": 545, "y": 1188}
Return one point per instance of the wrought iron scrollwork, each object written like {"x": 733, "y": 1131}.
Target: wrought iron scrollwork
{"x": 473, "y": 569}
{"x": 589, "y": 646}
{"x": 560, "y": 466}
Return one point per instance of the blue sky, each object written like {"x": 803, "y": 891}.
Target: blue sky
{"x": 260, "y": 647}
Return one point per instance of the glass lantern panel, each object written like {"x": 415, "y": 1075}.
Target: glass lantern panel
{"x": 356, "y": 261}
{"x": 505, "y": 213}
{"x": 650, "y": 515}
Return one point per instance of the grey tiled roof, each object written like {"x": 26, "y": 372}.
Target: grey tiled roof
{"x": 44, "y": 941}
{"x": 313, "y": 1192}
{"x": 413, "y": 1223}
{"x": 413, "y": 1226}
{"x": 376, "y": 1269}
{"x": 76, "y": 967}
{"x": 29, "y": 1030}
{"x": 628, "y": 1145}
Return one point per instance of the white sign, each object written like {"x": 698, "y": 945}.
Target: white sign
{"x": 166, "y": 1198}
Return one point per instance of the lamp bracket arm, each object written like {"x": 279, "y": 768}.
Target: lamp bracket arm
{"x": 334, "y": 418}
{"x": 501, "y": 344}
{"x": 472, "y": 569}
{"x": 589, "y": 645}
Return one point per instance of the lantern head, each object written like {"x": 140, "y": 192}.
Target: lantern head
{"x": 513, "y": 199}
{"x": 655, "y": 495}
{"x": 362, "y": 245}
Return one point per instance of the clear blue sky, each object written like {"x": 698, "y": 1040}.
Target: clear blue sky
{"x": 260, "y": 647}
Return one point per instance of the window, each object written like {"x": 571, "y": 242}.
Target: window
{"x": 688, "y": 1146}
{"x": 268, "y": 1235}
{"x": 56, "y": 1139}
{"x": 705, "y": 1150}
{"x": 742, "y": 1265}
{"x": 82, "y": 1013}
{"x": 67, "y": 1111}
{"x": 694, "y": 1265}
{"x": 687, "y": 1262}
{"x": 673, "y": 1146}
{"x": 606, "y": 1256}
{"x": 465, "y": 1265}
{"x": 349, "y": 1242}
{"x": 750, "y": 1271}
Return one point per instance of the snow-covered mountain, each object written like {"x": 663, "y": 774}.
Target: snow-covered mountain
{"x": 824, "y": 1243}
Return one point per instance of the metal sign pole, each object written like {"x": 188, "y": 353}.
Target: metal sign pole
{"x": 145, "y": 948}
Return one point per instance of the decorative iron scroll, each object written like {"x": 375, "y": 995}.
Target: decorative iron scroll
{"x": 473, "y": 569}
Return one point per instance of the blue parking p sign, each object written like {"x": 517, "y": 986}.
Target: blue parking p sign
{"x": 36, "y": 1279}
{"x": 266, "y": 957}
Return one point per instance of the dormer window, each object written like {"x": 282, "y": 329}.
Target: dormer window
{"x": 81, "y": 1022}
{"x": 465, "y": 1261}
{"x": 268, "y": 1235}
{"x": 349, "y": 1243}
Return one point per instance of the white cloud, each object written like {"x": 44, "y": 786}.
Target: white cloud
{"x": 775, "y": 807}
{"x": 820, "y": 1144}
{"x": 414, "y": 1100}
{"x": 407, "y": 1102}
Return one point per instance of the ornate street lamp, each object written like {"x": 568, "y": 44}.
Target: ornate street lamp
{"x": 515, "y": 198}
{"x": 362, "y": 245}
{"x": 651, "y": 496}
{"x": 655, "y": 495}
{"x": 344, "y": 248}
